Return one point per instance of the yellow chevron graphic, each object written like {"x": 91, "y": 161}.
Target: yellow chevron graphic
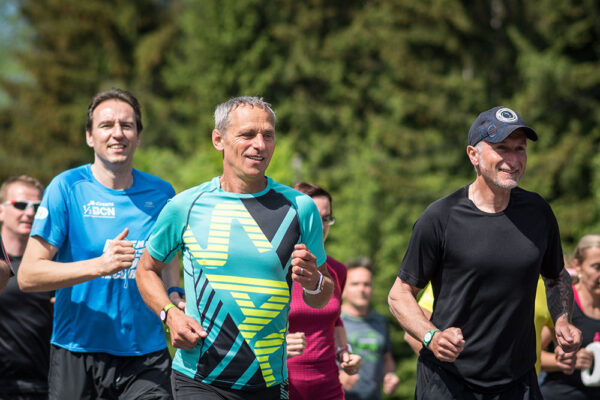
{"x": 217, "y": 250}
{"x": 215, "y": 255}
{"x": 257, "y": 317}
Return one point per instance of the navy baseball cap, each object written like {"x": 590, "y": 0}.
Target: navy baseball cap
{"x": 497, "y": 124}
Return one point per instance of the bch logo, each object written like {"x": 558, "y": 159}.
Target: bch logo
{"x": 96, "y": 209}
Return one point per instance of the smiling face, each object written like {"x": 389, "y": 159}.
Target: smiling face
{"x": 17, "y": 223}
{"x": 114, "y": 136}
{"x": 501, "y": 164}
{"x": 247, "y": 144}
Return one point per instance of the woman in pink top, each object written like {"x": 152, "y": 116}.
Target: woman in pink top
{"x": 317, "y": 338}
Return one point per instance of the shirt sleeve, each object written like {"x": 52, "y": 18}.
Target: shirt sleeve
{"x": 311, "y": 229}
{"x": 51, "y": 219}
{"x": 167, "y": 235}
{"x": 424, "y": 251}
{"x": 553, "y": 261}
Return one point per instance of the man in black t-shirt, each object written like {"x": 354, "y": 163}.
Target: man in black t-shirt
{"x": 25, "y": 318}
{"x": 483, "y": 248}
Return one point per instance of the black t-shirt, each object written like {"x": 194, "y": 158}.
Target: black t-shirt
{"x": 25, "y": 329}
{"x": 560, "y": 386}
{"x": 484, "y": 270}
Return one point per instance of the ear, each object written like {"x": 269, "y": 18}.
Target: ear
{"x": 217, "y": 140}
{"x": 2, "y": 212}
{"x": 88, "y": 139}
{"x": 576, "y": 265}
{"x": 473, "y": 155}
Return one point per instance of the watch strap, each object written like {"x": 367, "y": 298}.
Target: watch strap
{"x": 319, "y": 288}
{"x": 165, "y": 311}
{"x": 429, "y": 336}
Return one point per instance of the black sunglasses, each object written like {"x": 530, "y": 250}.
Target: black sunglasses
{"x": 22, "y": 205}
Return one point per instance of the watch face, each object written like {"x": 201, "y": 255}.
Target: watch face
{"x": 163, "y": 315}
{"x": 427, "y": 336}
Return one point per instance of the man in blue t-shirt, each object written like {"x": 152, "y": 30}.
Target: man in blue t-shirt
{"x": 244, "y": 238}
{"x": 88, "y": 235}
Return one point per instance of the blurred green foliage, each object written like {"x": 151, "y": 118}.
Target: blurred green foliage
{"x": 373, "y": 99}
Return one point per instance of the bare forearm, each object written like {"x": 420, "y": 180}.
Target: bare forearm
{"x": 339, "y": 334}
{"x": 388, "y": 363}
{"x": 548, "y": 362}
{"x": 39, "y": 273}
{"x": 403, "y": 305}
{"x": 170, "y": 274}
{"x": 414, "y": 344}
{"x": 150, "y": 284}
{"x": 560, "y": 296}
{"x": 36, "y": 275}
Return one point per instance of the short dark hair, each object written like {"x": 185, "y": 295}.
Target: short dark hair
{"x": 313, "y": 191}
{"x": 360, "y": 262}
{"x": 115, "y": 94}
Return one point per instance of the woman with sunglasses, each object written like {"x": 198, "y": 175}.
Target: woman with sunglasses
{"x": 316, "y": 338}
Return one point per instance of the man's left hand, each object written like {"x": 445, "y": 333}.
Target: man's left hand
{"x": 567, "y": 336}
{"x": 304, "y": 267}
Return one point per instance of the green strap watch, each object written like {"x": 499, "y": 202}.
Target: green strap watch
{"x": 164, "y": 311}
{"x": 429, "y": 336}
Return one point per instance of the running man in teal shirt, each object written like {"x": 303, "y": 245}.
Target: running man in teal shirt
{"x": 244, "y": 238}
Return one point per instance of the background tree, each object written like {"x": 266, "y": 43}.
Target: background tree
{"x": 75, "y": 49}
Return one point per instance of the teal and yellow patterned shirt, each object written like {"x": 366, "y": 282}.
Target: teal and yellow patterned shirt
{"x": 236, "y": 251}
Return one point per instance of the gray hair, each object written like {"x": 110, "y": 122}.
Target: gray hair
{"x": 222, "y": 111}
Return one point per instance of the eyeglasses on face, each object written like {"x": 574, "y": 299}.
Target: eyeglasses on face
{"x": 328, "y": 220}
{"x": 22, "y": 205}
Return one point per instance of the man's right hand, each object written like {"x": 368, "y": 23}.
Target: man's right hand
{"x": 185, "y": 330}
{"x": 447, "y": 345}
{"x": 118, "y": 255}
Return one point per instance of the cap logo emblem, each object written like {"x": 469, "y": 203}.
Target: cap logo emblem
{"x": 491, "y": 130}
{"x": 506, "y": 115}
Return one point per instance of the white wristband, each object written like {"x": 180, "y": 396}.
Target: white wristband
{"x": 319, "y": 288}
